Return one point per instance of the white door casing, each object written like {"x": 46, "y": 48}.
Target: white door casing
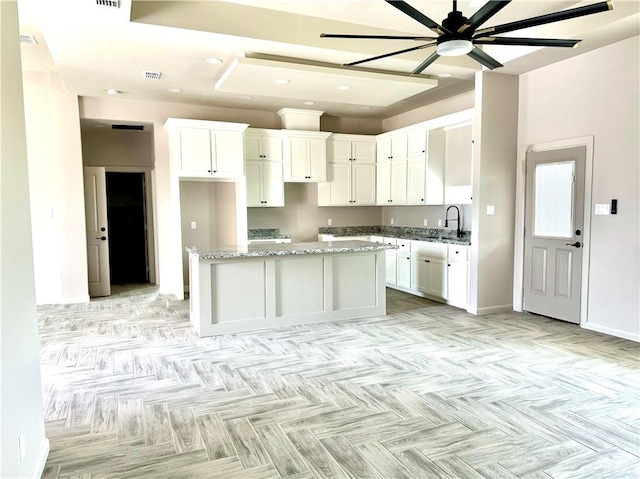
{"x": 95, "y": 207}
{"x": 554, "y": 233}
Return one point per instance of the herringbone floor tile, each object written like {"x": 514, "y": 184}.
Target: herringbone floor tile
{"x": 427, "y": 391}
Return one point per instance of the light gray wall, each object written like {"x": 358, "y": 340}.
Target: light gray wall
{"x": 21, "y": 410}
{"x": 495, "y": 158}
{"x": 415, "y": 216}
{"x": 597, "y": 94}
{"x": 301, "y": 217}
{"x": 107, "y": 147}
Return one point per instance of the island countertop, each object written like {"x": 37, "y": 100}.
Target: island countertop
{"x": 257, "y": 250}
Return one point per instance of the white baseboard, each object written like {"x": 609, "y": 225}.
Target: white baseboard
{"x": 611, "y": 331}
{"x": 42, "y": 460}
{"x": 503, "y": 308}
{"x": 76, "y": 300}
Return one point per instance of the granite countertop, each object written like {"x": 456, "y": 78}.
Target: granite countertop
{"x": 266, "y": 233}
{"x": 434, "y": 235}
{"x": 319, "y": 247}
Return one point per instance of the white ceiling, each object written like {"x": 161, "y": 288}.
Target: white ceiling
{"x": 95, "y": 48}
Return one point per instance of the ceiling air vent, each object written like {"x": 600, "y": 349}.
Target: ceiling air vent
{"x": 108, "y": 3}
{"x": 127, "y": 127}
{"x": 28, "y": 40}
{"x": 151, "y": 75}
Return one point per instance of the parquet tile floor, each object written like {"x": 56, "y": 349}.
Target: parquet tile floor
{"x": 427, "y": 391}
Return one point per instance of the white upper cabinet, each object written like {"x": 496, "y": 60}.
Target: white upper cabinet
{"x": 458, "y": 163}
{"x": 351, "y": 172}
{"x": 264, "y": 166}
{"x": 391, "y": 147}
{"x": 305, "y": 156}
{"x": 434, "y": 186}
{"x": 207, "y": 149}
{"x": 263, "y": 144}
{"x": 417, "y": 142}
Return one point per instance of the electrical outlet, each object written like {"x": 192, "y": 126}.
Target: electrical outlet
{"x": 439, "y": 222}
{"x": 391, "y": 222}
{"x": 193, "y": 225}
{"x": 329, "y": 221}
{"x": 21, "y": 446}
{"x": 491, "y": 210}
{"x": 425, "y": 222}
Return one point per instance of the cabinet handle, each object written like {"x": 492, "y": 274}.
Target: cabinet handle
{"x": 421, "y": 199}
{"x": 427, "y": 261}
{"x": 208, "y": 171}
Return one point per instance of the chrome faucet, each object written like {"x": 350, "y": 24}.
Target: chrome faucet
{"x": 457, "y": 220}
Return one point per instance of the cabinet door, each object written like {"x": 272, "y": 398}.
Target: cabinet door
{"x": 383, "y": 149}
{"x": 229, "y": 153}
{"x": 391, "y": 262}
{"x": 363, "y": 151}
{"x": 337, "y": 191}
{"x": 399, "y": 146}
{"x": 457, "y": 173}
{"x": 195, "y": 151}
{"x": 317, "y": 159}
{"x": 339, "y": 151}
{"x": 420, "y": 274}
{"x": 272, "y": 184}
{"x": 383, "y": 183}
{"x": 417, "y": 142}
{"x": 399, "y": 182}
{"x": 299, "y": 159}
{"x": 416, "y": 180}
{"x": 271, "y": 148}
{"x": 457, "y": 283}
{"x": 363, "y": 183}
{"x": 254, "y": 183}
{"x": 252, "y": 147}
{"x": 437, "y": 278}
{"x": 403, "y": 270}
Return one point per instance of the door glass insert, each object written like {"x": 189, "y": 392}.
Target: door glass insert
{"x": 553, "y": 211}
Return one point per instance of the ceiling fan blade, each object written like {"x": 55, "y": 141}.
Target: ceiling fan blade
{"x": 377, "y": 37}
{"x": 391, "y": 54}
{"x": 549, "y": 18}
{"x": 481, "y": 57}
{"x": 527, "y": 42}
{"x": 432, "y": 58}
{"x": 407, "y": 9}
{"x": 484, "y": 14}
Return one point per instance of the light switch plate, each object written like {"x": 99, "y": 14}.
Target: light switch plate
{"x": 193, "y": 225}
{"x": 329, "y": 222}
{"x": 491, "y": 210}
{"x": 602, "y": 209}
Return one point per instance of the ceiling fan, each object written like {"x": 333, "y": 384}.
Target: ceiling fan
{"x": 459, "y": 35}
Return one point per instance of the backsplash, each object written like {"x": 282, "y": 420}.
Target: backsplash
{"x": 396, "y": 231}
{"x": 262, "y": 233}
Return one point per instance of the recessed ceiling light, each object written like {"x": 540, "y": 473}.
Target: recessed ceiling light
{"x": 111, "y": 91}
{"x": 282, "y": 81}
{"x": 344, "y": 87}
{"x": 175, "y": 90}
{"x": 309, "y": 102}
{"x": 365, "y": 107}
{"x": 214, "y": 61}
{"x": 445, "y": 75}
{"x": 246, "y": 97}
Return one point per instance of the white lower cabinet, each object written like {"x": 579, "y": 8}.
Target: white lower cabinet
{"x": 403, "y": 270}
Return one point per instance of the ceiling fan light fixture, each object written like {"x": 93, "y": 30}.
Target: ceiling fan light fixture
{"x": 454, "y": 48}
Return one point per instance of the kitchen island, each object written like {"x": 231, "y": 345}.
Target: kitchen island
{"x": 240, "y": 288}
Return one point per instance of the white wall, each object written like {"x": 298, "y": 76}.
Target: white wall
{"x": 301, "y": 217}
{"x": 57, "y": 189}
{"x": 107, "y": 147}
{"x": 21, "y": 410}
{"x": 597, "y": 94}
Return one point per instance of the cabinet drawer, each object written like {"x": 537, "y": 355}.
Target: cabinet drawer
{"x": 376, "y": 239}
{"x": 424, "y": 248}
{"x": 404, "y": 246}
{"x": 458, "y": 253}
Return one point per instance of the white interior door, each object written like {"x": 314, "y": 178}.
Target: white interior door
{"x": 553, "y": 233}
{"x": 95, "y": 207}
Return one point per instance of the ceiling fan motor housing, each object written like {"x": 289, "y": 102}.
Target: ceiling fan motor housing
{"x": 452, "y": 24}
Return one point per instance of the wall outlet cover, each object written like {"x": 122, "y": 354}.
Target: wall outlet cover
{"x": 439, "y": 222}
{"x": 602, "y": 209}
{"x": 491, "y": 210}
{"x": 329, "y": 222}
{"x": 425, "y": 222}
{"x": 193, "y": 225}
{"x": 391, "y": 221}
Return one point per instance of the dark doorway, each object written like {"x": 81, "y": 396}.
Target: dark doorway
{"x": 127, "y": 228}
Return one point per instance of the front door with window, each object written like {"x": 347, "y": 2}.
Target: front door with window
{"x": 553, "y": 233}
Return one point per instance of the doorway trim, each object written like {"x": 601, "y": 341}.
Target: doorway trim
{"x": 152, "y": 259}
{"x": 518, "y": 273}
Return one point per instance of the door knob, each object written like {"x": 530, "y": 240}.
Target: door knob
{"x": 577, "y": 244}
{"x": 103, "y": 238}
